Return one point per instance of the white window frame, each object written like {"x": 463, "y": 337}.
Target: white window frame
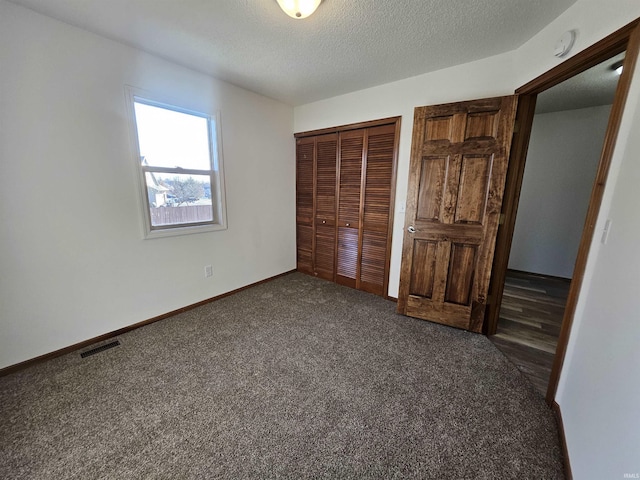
{"x": 219, "y": 221}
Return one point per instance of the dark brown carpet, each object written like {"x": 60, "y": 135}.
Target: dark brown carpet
{"x": 295, "y": 378}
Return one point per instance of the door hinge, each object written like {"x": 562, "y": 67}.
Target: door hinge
{"x": 516, "y": 127}
{"x": 502, "y": 218}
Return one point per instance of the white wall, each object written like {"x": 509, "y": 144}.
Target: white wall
{"x": 600, "y": 385}
{"x": 563, "y": 157}
{"x": 601, "y": 418}
{"x": 72, "y": 259}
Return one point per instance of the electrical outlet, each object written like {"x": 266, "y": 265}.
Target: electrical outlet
{"x": 208, "y": 271}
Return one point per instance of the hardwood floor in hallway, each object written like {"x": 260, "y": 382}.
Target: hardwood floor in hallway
{"x": 530, "y": 320}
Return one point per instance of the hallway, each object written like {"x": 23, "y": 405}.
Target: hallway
{"x": 530, "y": 321}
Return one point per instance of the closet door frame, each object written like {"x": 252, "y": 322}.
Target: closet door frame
{"x": 396, "y": 121}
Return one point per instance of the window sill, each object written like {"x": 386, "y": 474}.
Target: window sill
{"x": 186, "y": 230}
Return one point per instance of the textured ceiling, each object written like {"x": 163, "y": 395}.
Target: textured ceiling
{"x": 346, "y": 45}
{"x": 593, "y": 87}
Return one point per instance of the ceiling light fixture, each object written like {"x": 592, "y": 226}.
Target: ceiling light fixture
{"x": 299, "y": 9}
{"x": 617, "y": 67}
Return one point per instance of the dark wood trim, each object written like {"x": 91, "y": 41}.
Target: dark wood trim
{"x": 628, "y": 37}
{"x": 598, "y": 52}
{"x": 393, "y": 299}
{"x": 392, "y": 206}
{"x": 100, "y": 338}
{"x": 563, "y": 440}
{"x": 633, "y": 47}
{"x": 351, "y": 126}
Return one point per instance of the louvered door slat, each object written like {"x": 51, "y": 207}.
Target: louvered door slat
{"x": 304, "y": 235}
{"x": 304, "y": 204}
{"x": 351, "y": 145}
{"x": 372, "y": 269}
{"x": 349, "y": 191}
{"x": 304, "y": 181}
{"x": 325, "y": 224}
{"x": 327, "y": 149}
{"x": 378, "y": 190}
{"x": 324, "y": 255}
{"x": 347, "y": 256}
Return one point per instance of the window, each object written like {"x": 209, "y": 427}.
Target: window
{"x": 180, "y": 167}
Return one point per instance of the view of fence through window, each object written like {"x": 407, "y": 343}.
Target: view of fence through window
{"x": 176, "y": 158}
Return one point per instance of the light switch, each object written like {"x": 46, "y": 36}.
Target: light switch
{"x": 605, "y": 232}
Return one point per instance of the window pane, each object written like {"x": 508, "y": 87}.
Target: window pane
{"x": 172, "y": 139}
{"x": 176, "y": 199}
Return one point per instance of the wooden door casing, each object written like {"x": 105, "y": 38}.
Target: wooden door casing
{"x": 457, "y": 173}
{"x": 626, "y": 38}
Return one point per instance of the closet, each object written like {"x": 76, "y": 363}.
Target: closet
{"x": 345, "y": 190}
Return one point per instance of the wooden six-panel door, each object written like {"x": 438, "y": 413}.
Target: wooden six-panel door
{"x": 458, "y": 168}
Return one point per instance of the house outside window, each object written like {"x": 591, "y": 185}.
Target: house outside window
{"x": 179, "y": 162}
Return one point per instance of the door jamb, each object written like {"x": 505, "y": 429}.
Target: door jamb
{"x": 627, "y": 38}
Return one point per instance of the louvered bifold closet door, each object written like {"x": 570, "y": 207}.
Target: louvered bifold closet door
{"x": 325, "y": 214}
{"x": 351, "y": 148}
{"x": 305, "y": 150}
{"x": 376, "y": 217}
{"x": 345, "y": 193}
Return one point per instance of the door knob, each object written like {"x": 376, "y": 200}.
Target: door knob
{"x": 411, "y": 229}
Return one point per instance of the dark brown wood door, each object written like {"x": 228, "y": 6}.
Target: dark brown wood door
{"x": 458, "y": 167}
{"x": 377, "y": 214}
{"x": 365, "y": 199}
{"x": 349, "y": 199}
{"x": 305, "y": 151}
{"x": 325, "y": 206}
